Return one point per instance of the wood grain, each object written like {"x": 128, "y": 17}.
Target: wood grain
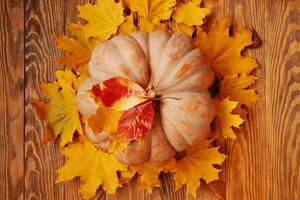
{"x": 43, "y": 19}
{"x": 262, "y": 164}
{"x": 11, "y": 100}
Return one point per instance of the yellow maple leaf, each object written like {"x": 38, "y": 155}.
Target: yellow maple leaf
{"x": 76, "y": 55}
{"x": 224, "y": 51}
{"x": 77, "y": 31}
{"x": 227, "y": 120}
{"x": 153, "y": 10}
{"x": 93, "y": 166}
{"x": 126, "y": 176}
{"x": 77, "y": 49}
{"x": 103, "y": 18}
{"x": 161, "y": 26}
{"x": 236, "y": 87}
{"x": 149, "y": 174}
{"x": 128, "y": 26}
{"x": 184, "y": 28}
{"x": 69, "y": 80}
{"x": 105, "y": 119}
{"x": 145, "y": 24}
{"x": 190, "y": 13}
{"x": 117, "y": 143}
{"x": 198, "y": 163}
{"x": 60, "y": 110}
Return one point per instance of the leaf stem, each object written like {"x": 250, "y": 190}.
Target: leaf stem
{"x": 159, "y": 98}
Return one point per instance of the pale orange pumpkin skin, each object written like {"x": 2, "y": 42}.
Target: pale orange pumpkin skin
{"x": 171, "y": 66}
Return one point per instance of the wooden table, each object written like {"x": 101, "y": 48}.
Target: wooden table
{"x": 263, "y": 164}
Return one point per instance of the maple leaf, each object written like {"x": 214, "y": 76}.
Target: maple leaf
{"x": 60, "y": 111}
{"x": 93, "y": 166}
{"x": 77, "y": 49}
{"x": 67, "y": 79}
{"x": 103, "y": 18}
{"x": 144, "y": 24}
{"x": 198, "y": 163}
{"x": 224, "y": 51}
{"x": 137, "y": 121}
{"x": 184, "y": 28}
{"x": 41, "y": 110}
{"x": 227, "y": 120}
{"x": 162, "y": 26}
{"x": 77, "y": 31}
{"x": 117, "y": 143}
{"x": 119, "y": 93}
{"x": 236, "y": 87}
{"x": 76, "y": 55}
{"x": 153, "y": 10}
{"x": 149, "y": 174}
{"x": 128, "y": 25}
{"x": 105, "y": 119}
{"x": 126, "y": 176}
{"x": 190, "y": 13}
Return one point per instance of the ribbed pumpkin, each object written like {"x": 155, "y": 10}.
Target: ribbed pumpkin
{"x": 167, "y": 65}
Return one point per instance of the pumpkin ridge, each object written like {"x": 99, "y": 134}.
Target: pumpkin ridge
{"x": 166, "y": 132}
{"x": 182, "y": 125}
{"x": 92, "y": 63}
{"x": 162, "y": 144}
{"x": 139, "y": 36}
{"x": 146, "y": 57}
{"x": 158, "y": 61}
{"x": 178, "y": 65}
{"x": 125, "y": 60}
{"x": 173, "y": 40}
{"x": 194, "y": 90}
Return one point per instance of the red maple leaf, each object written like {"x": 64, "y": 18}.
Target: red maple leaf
{"x": 136, "y": 121}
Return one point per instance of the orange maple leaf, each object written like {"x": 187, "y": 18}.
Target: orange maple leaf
{"x": 236, "y": 87}
{"x": 224, "y": 51}
{"x": 198, "y": 163}
{"x": 76, "y": 55}
{"x": 225, "y": 118}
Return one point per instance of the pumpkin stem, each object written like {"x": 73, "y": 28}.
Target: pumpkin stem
{"x": 155, "y": 95}
{"x": 159, "y": 98}
{"x": 165, "y": 97}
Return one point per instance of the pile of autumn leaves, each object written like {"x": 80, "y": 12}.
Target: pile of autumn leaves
{"x": 107, "y": 18}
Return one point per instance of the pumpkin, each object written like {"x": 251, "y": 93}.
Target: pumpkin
{"x": 165, "y": 65}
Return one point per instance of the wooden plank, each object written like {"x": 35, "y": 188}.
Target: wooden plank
{"x": 244, "y": 172}
{"x": 43, "y": 19}
{"x": 11, "y": 99}
{"x": 264, "y": 162}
